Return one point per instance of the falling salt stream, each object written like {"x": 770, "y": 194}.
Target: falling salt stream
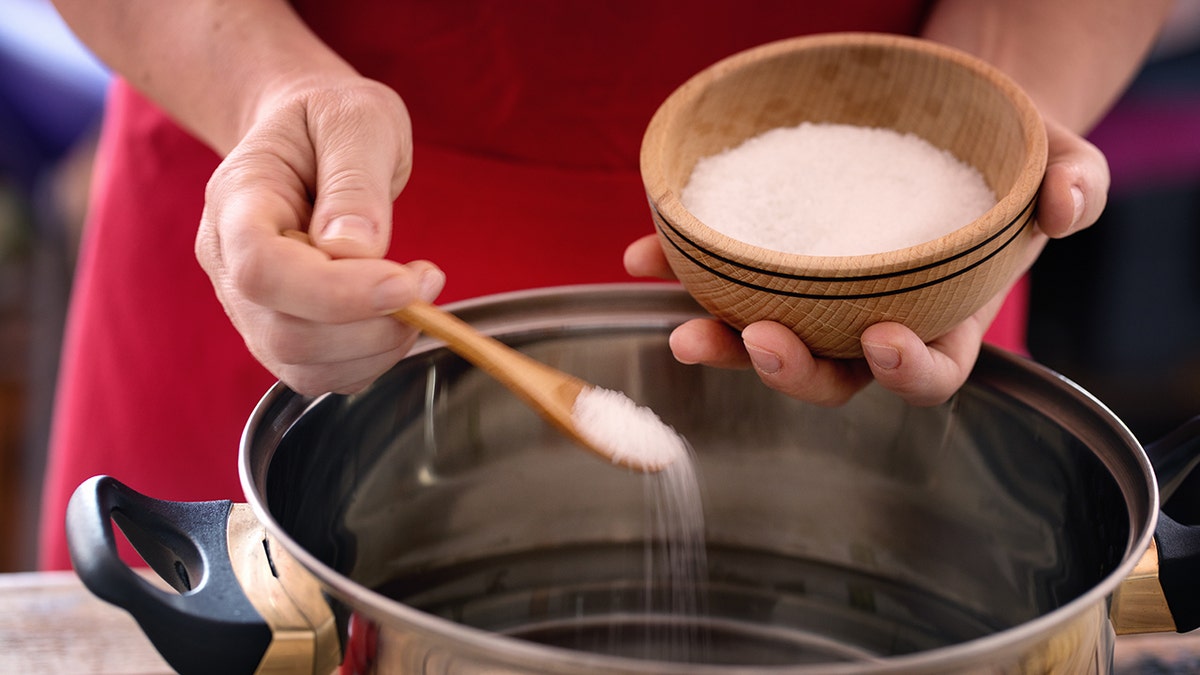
{"x": 772, "y": 191}
{"x": 675, "y": 562}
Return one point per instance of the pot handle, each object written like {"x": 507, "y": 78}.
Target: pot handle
{"x": 1175, "y": 458}
{"x": 209, "y": 625}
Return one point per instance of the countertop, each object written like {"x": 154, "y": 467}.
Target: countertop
{"x": 50, "y": 624}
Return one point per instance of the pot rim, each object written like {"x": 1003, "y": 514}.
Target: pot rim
{"x": 1058, "y": 398}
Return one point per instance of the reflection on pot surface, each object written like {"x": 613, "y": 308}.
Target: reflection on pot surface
{"x": 466, "y": 533}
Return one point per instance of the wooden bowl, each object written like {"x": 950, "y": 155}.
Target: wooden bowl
{"x": 954, "y": 101}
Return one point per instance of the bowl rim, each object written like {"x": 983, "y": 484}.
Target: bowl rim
{"x": 1008, "y": 215}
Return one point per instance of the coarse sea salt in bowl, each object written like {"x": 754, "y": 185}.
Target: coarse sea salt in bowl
{"x": 835, "y": 181}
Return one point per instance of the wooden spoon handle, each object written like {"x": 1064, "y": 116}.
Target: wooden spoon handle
{"x": 547, "y": 389}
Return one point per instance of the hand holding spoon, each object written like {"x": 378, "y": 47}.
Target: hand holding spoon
{"x": 604, "y": 421}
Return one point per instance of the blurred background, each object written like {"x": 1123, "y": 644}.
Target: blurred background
{"x": 51, "y": 97}
{"x": 1116, "y": 308}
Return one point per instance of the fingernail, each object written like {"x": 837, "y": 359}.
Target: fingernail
{"x": 882, "y": 356}
{"x": 764, "y": 361}
{"x": 1077, "y": 200}
{"x": 391, "y": 294}
{"x": 430, "y": 284}
{"x": 351, "y": 227}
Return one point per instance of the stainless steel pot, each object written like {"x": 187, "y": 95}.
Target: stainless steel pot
{"x": 432, "y": 524}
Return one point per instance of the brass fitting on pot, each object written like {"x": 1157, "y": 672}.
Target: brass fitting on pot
{"x": 303, "y": 631}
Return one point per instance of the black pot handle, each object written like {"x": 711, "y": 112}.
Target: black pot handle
{"x": 1175, "y": 458}
{"x": 209, "y": 625}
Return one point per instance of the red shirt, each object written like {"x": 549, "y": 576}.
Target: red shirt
{"x": 527, "y": 118}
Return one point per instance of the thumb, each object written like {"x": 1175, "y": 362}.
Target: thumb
{"x": 1075, "y": 188}
{"x": 363, "y": 159}
{"x": 352, "y": 214}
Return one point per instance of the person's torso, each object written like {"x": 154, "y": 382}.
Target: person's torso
{"x": 569, "y": 84}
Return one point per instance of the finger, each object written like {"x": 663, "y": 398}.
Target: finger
{"x": 297, "y": 342}
{"x": 1074, "y": 190}
{"x": 346, "y": 377}
{"x": 313, "y": 358}
{"x": 645, "y": 258}
{"x": 786, "y": 365}
{"x": 928, "y": 374}
{"x": 709, "y": 342}
{"x": 294, "y": 278}
{"x": 363, "y": 150}
{"x": 921, "y": 374}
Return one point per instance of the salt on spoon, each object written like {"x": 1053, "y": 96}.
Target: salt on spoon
{"x": 604, "y": 421}
{"x": 629, "y": 433}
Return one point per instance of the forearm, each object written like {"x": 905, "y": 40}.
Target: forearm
{"x": 1073, "y": 57}
{"x": 212, "y": 65}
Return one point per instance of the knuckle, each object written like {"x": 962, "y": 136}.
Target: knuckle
{"x": 833, "y": 398}
{"x": 207, "y": 247}
{"x": 303, "y": 381}
{"x": 922, "y": 393}
{"x": 927, "y": 399}
{"x": 312, "y": 379}
{"x": 354, "y": 387}
{"x": 250, "y": 277}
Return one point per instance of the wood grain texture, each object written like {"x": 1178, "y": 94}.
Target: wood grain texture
{"x": 49, "y": 623}
{"x": 951, "y": 100}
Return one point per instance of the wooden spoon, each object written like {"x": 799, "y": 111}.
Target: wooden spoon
{"x": 548, "y": 391}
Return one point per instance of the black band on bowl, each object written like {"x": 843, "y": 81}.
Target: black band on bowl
{"x": 1012, "y": 230}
